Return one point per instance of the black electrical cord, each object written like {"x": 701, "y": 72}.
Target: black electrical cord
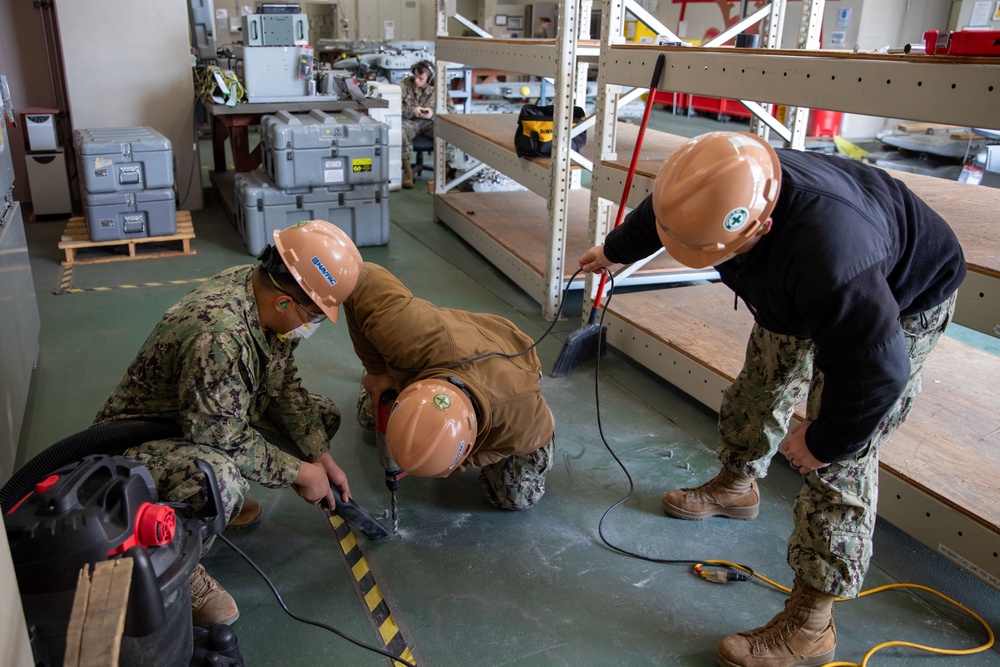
{"x": 746, "y": 574}
{"x": 302, "y": 619}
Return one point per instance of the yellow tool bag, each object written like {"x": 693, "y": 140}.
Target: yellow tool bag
{"x": 534, "y": 131}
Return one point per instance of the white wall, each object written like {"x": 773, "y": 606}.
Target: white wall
{"x": 128, "y": 63}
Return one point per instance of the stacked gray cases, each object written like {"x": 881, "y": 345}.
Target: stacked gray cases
{"x": 128, "y": 177}
{"x": 320, "y": 150}
{"x": 263, "y": 208}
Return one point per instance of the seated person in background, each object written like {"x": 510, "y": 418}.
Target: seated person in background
{"x": 487, "y": 413}
{"x": 220, "y": 360}
{"x": 418, "y": 112}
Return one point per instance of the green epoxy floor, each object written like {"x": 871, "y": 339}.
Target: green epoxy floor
{"x": 469, "y": 585}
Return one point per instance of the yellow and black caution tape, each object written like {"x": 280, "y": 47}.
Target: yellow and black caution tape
{"x": 66, "y": 284}
{"x": 368, "y": 589}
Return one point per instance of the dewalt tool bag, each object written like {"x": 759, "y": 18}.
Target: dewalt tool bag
{"x": 534, "y": 131}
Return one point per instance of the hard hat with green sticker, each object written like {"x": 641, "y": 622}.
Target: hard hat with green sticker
{"x": 736, "y": 219}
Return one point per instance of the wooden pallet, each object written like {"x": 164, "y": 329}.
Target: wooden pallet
{"x": 77, "y": 237}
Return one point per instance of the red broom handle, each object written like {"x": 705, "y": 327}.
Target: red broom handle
{"x": 657, "y": 71}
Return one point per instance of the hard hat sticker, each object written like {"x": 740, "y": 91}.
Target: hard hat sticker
{"x": 461, "y": 448}
{"x": 322, "y": 269}
{"x": 736, "y": 219}
{"x": 442, "y": 402}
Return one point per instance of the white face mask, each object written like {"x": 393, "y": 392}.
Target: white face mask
{"x": 302, "y": 332}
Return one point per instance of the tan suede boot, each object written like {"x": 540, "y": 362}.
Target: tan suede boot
{"x": 210, "y": 603}
{"x": 727, "y": 494}
{"x": 248, "y": 517}
{"x": 407, "y": 175}
{"x": 803, "y": 635}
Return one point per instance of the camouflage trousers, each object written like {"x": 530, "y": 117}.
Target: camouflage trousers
{"x": 515, "y": 483}
{"x": 171, "y": 462}
{"x": 831, "y": 543}
{"x": 411, "y": 128}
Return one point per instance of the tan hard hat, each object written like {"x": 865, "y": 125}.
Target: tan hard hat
{"x": 323, "y": 259}
{"x": 713, "y": 194}
{"x": 432, "y": 428}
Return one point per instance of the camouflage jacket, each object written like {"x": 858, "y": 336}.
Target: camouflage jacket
{"x": 413, "y": 97}
{"x": 392, "y": 331}
{"x": 209, "y": 366}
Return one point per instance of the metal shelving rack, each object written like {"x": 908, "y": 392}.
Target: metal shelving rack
{"x": 554, "y": 181}
{"x": 964, "y": 92}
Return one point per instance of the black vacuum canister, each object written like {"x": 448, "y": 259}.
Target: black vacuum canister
{"x": 91, "y": 511}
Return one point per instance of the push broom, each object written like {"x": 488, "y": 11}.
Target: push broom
{"x": 586, "y": 344}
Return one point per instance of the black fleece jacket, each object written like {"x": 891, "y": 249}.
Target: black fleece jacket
{"x": 850, "y": 251}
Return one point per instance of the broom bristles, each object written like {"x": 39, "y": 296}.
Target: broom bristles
{"x": 583, "y": 346}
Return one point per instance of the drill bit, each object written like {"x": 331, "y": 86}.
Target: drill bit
{"x": 395, "y": 513}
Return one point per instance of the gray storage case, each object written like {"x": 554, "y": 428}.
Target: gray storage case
{"x": 122, "y": 159}
{"x": 262, "y": 208}
{"x": 317, "y": 149}
{"x": 114, "y": 216}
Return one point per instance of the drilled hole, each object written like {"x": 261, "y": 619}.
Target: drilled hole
{"x": 919, "y": 83}
{"x": 954, "y": 86}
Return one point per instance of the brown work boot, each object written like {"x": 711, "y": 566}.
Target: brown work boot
{"x": 248, "y": 517}
{"x": 407, "y": 175}
{"x": 210, "y": 603}
{"x": 727, "y": 494}
{"x": 803, "y": 635}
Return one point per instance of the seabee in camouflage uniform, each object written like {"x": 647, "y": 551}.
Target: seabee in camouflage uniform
{"x": 851, "y": 279}
{"x": 210, "y": 366}
{"x": 221, "y": 361}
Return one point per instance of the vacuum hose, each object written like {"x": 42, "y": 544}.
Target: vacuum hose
{"x": 114, "y": 437}
{"x": 111, "y": 438}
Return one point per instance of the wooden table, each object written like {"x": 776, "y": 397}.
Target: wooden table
{"x": 233, "y": 122}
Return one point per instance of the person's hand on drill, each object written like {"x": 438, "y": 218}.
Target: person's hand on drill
{"x": 375, "y": 384}
{"x": 314, "y": 480}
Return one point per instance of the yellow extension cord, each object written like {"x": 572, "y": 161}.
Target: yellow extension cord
{"x": 879, "y": 589}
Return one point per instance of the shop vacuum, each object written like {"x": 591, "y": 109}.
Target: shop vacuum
{"x": 105, "y": 507}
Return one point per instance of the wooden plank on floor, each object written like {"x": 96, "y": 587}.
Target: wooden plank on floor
{"x": 949, "y": 446}
{"x": 97, "y": 621}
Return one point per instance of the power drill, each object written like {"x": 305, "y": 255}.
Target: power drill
{"x": 393, "y": 473}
